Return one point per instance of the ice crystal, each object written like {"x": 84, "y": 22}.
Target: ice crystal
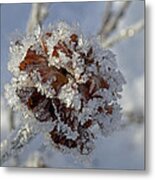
{"x": 61, "y": 78}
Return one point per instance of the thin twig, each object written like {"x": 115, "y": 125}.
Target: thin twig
{"x": 123, "y": 34}
{"x": 113, "y": 19}
{"x": 106, "y": 16}
{"x": 16, "y": 142}
{"x": 36, "y": 160}
{"x": 38, "y": 13}
{"x": 11, "y": 119}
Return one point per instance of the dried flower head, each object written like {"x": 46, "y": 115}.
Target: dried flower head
{"x": 68, "y": 81}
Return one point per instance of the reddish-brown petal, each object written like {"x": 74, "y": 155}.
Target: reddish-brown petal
{"x": 49, "y": 34}
{"x": 109, "y": 109}
{"x": 62, "y": 46}
{"x": 74, "y": 38}
{"x": 87, "y": 124}
{"x": 104, "y": 84}
{"x": 31, "y": 60}
{"x": 55, "y": 52}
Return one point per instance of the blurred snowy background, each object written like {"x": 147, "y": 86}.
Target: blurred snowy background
{"x": 123, "y": 149}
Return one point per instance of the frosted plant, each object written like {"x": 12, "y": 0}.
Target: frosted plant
{"x": 67, "y": 84}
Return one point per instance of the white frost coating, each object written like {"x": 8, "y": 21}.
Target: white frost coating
{"x": 16, "y": 142}
{"x": 72, "y": 83}
{"x": 19, "y": 48}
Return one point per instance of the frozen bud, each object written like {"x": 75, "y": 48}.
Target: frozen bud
{"x": 68, "y": 81}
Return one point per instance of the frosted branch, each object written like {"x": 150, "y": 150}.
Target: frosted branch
{"x": 36, "y": 160}
{"x": 11, "y": 119}
{"x": 111, "y": 19}
{"x": 16, "y": 142}
{"x": 106, "y": 16}
{"x": 124, "y": 34}
{"x": 38, "y": 13}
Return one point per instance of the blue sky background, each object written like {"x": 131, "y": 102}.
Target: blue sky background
{"x": 128, "y": 144}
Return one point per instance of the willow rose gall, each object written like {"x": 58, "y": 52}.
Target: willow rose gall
{"x": 67, "y": 81}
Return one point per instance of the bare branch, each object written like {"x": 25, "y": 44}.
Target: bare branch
{"x": 36, "y": 160}
{"x": 113, "y": 20}
{"x": 38, "y": 13}
{"x": 124, "y": 34}
{"x": 11, "y": 119}
{"x": 17, "y": 141}
{"x": 106, "y": 16}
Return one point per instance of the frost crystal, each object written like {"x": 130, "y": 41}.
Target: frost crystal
{"x": 61, "y": 78}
